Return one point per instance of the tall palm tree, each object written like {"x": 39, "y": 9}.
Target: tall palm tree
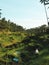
{"x": 45, "y": 2}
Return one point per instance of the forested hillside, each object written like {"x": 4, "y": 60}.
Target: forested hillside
{"x": 9, "y": 26}
{"x": 18, "y": 45}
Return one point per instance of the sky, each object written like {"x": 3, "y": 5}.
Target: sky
{"x": 27, "y": 13}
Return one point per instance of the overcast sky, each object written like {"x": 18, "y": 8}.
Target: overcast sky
{"x": 27, "y": 13}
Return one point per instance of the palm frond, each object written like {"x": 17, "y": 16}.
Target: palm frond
{"x": 43, "y": 1}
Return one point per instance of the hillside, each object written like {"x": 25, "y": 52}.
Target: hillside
{"x": 18, "y": 46}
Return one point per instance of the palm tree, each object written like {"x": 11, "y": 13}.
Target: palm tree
{"x": 45, "y": 2}
{"x": 0, "y": 13}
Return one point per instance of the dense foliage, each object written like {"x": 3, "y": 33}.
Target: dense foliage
{"x": 18, "y": 46}
{"x": 7, "y": 25}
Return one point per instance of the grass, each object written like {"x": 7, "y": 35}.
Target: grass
{"x": 6, "y": 40}
{"x": 9, "y": 39}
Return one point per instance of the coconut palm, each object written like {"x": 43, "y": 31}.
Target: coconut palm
{"x": 45, "y": 2}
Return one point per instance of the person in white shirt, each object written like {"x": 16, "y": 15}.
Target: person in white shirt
{"x": 36, "y": 51}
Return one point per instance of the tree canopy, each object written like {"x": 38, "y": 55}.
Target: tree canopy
{"x": 7, "y": 25}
